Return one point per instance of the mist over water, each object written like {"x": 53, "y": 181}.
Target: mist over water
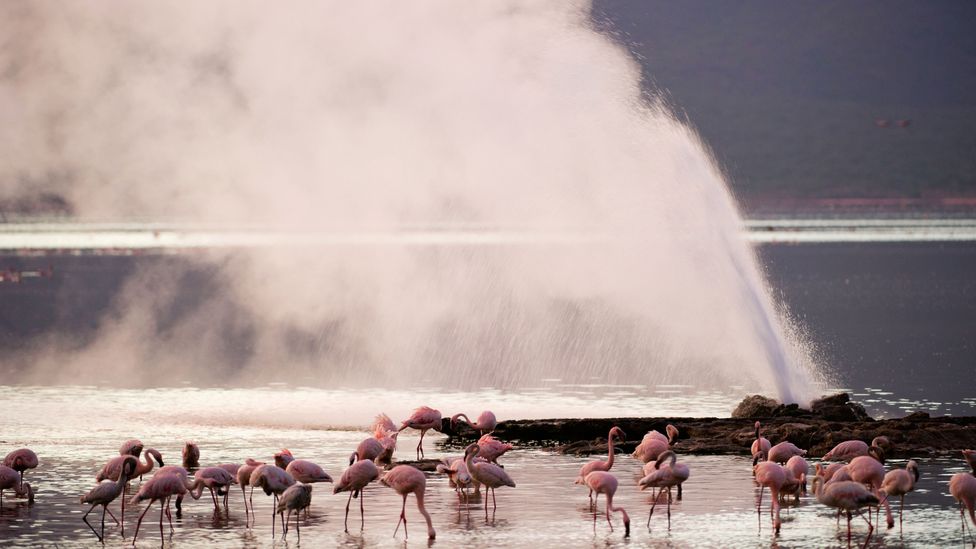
{"x": 335, "y": 116}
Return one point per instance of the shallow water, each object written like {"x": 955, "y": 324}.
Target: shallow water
{"x": 74, "y": 430}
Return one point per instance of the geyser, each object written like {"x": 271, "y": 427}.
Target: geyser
{"x": 347, "y": 117}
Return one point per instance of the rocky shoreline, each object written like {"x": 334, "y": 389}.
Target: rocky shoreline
{"x": 829, "y": 421}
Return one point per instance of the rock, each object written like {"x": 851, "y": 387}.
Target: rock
{"x": 839, "y": 408}
{"x": 755, "y": 406}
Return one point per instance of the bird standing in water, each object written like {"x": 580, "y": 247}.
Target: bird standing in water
{"x": 297, "y": 497}
{"x": 353, "y": 480}
{"x": 605, "y": 483}
{"x": 962, "y": 487}
{"x": 486, "y": 422}
{"x": 664, "y": 477}
{"x": 406, "y": 480}
{"x": 423, "y": 419}
{"x": 106, "y": 492}
{"x": 599, "y": 464}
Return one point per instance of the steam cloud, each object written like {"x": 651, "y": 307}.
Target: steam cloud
{"x": 355, "y": 116}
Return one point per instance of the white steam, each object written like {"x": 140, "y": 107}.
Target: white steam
{"x": 377, "y": 116}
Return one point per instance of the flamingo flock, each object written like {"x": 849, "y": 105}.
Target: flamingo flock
{"x": 855, "y": 481}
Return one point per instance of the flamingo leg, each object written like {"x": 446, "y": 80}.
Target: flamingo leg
{"x": 420, "y": 445}
{"x": 362, "y": 511}
{"x": 403, "y": 519}
{"x": 669, "y": 508}
{"x": 247, "y": 512}
{"x": 169, "y": 516}
{"x": 346, "y": 523}
{"x": 609, "y": 523}
{"x": 214, "y": 498}
{"x": 494, "y": 504}
{"x": 85, "y": 518}
{"x": 250, "y": 499}
{"x": 651, "y": 514}
{"x": 298, "y": 527}
{"x": 139, "y": 523}
{"x": 124, "y": 490}
{"x": 274, "y": 506}
{"x": 162, "y": 512}
{"x": 901, "y": 509}
{"x": 759, "y": 506}
{"x": 104, "y": 508}
{"x": 848, "y": 528}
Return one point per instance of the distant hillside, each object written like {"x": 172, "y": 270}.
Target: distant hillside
{"x": 793, "y": 96}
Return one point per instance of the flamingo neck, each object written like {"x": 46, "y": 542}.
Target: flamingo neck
{"x": 610, "y": 450}
{"x": 423, "y": 511}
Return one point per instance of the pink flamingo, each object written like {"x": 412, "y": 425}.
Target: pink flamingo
{"x": 385, "y": 431}
{"x": 369, "y": 449}
{"x": 161, "y": 487}
{"x": 283, "y": 458}
{"x": 458, "y": 476}
{"x": 10, "y": 478}
{"x": 294, "y": 499}
{"x": 962, "y": 487}
{"x": 214, "y": 478}
{"x": 21, "y": 460}
{"x": 899, "y": 482}
{"x": 306, "y": 472}
{"x": 869, "y": 470}
{"x": 274, "y": 481}
{"x": 405, "y": 480}
{"x": 354, "y": 480}
{"x": 760, "y": 446}
{"x": 191, "y": 456}
{"x": 654, "y": 444}
{"x": 774, "y": 476}
{"x": 487, "y": 474}
{"x": 664, "y": 477}
{"x": 486, "y": 422}
{"x": 827, "y": 473}
{"x": 423, "y": 419}
{"x": 850, "y": 449}
{"x": 105, "y": 493}
{"x": 782, "y": 452}
{"x": 845, "y": 495}
{"x": 604, "y": 483}
{"x": 599, "y": 464}
{"x": 799, "y": 468}
{"x": 111, "y": 470}
{"x": 492, "y": 448}
{"x": 131, "y": 447}
{"x": 244, "y": 479}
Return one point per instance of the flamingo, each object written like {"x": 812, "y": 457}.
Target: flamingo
{"x": 774, "y": 476}
{"x": 423, "y": 419}
{"x": 385, "y": 431}
{"x": 654, "y": 444}
{"x": 599, "y": 464}
{"x": 799, "y": 467}
{"x": 604, "y": 483}
{"x": 962, "y": 487}
{"x": 105, "y": 493}
{"x": 760, "y": 446}
{"x": 850, "y": 449}
{"x": 131, "y": 447}
{"x": 353, "y": 480}
{"x": 244, "y": 479}
{"x": 191, "y": 456}
{"x": 297, "y": 497}
{"x": 405, "y": 480}
{"x": 487, "y": 474}
{"x": 184, "y": 477}
{"x": 214, "y": 477}
{"x": 782, "y": 452}
{"x": 283, "y": 458}
{"x": 458, "y": 476}
{"x": 486, "y": 422}
{"x": 306, "y": 472}
{"x": 665, "y": 476}
{"x": 21, "y": 460}
{"x": 492, "y": 448}
{"x": 899, "y": 482}
{"x": 845, "y": 495}
{"x": 10, "y": 478}
{"x": 383, "y": 423}
{"x": 162, "y": 487}
{"x": 827, "y": 473}
{"x": 869, "y": 470}
{"x": 111, "y": 470}
{"x": 370, "y": 448}
{"x": 274, "y": 481}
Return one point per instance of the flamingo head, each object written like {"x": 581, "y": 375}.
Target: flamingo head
{"x": 471, "y": 450}
{"x": 877, "y": 453}
{"x": 912, "y": 467}
{"x": 619, "y": 433}
{"x": 672, "y": 433}
{"x": 353, "y": 457}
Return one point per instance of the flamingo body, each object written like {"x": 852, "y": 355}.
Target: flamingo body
{"x": 406, "y": 480}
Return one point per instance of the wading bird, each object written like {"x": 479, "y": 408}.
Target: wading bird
{"x": 492, "y": 448}
{"x": 782, "y": 452}
{"x": 760, "y": 446}
{"x": 191, "y": 456}
{"x": 406, "y": 480}
{"x": 458, "y": 476}
{"x": 486, "y": 422}
{"x": 385, "y": 431}
{"x": 9, "y": 478}
{"x": 599, "y": 464}
{"x": 489, "y": 475}
{"x": 423, "y": 419}
{"x": 110, "y": 471}
{"x": 131, "y": 447}
{"x": 850, "y": 449}
{"x": 664, "y": 476}
{"x": 214, "y": 478}
{"x": 294, "y": 499}
{"x": 161, "y": 487}
{"x": 774, "y": 476}
{"x": 845, "y": 495}
{"x": 604, "y": 483}
{"x": 21, "y": 460}
{"x": 899, "y": 482}
{"x": 962, "y": 487}
{"x": 354, "y": 480}
{"x": 869, "y": 470}
{"x": 106, "y": 492}
{"x": 274, "y": 481}
{"x": 283, "y": 458}
{"x": 654, "y": 444}
{"x": 369, "y": 449}
{"x": 799, "y": 468}
{"x": 243, "y": 480}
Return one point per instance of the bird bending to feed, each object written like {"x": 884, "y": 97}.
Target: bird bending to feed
{"x": 21, "y": 460}
{"x": 828, "y": 472}
{"x": 962, "y": 487}
{"x": 869, "y": 470}
{"x": 161, "y": 487}
{"x": 850, "y": 449}
{"x": 899, "y": 482}
{"x": 605, "y": 483}
{"x": 654, "y": 444}
{"x": 274, "y": 481}
{"x": 774, "y": 476}
{"x": 9, "y": 478}
{"x": 664, "y": 476}
{"x": 458, "y": 476}
{"x": 760, "y": 446}
{"x": 845, "y": 495}
{"x": 489, "y": 475}
{"x": 492, "y": 448}
{"x": 405, "y": 480}
{"x": 214, "y": 478}
{"x": 486, "y": 422}
{"x": 799, "y": 468}
{"x": 353, "y": 480}
{"x": 423, "y": 419}
{"x": 599, "y": 464}
{"x": 385, "y": 432}
{"x": 306, "y": 472}
{"x": 191, "y": 456}
{"x": 244, "y": 479}
{"x": 106, "y": 492}
{"x": 370, "y": 448}
{"x": 297, "y": 497}
{"x": 782, "y": 452}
